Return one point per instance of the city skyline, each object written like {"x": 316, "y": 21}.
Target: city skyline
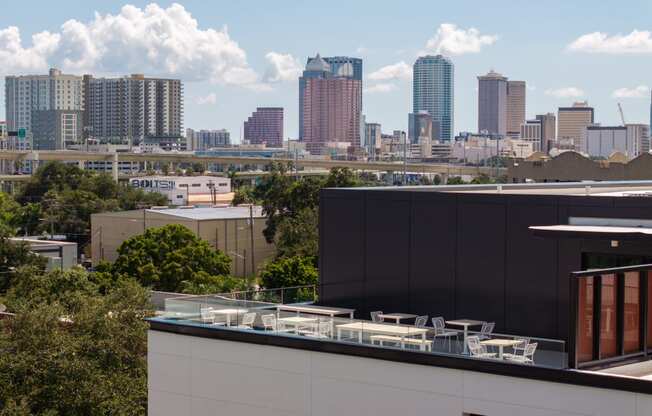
{"x": 600, "y": 57}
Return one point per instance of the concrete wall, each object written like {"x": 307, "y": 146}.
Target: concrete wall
{"x": 198, "y": 376}
{"x": 110, "y": 230}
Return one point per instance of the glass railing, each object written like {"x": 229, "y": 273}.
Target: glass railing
{"x": 233, "y": 313}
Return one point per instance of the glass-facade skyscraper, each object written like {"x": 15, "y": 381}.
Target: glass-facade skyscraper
{"x": 337, "y": 66}
{"x": 433, "y": 91}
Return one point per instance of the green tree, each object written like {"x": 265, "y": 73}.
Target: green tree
{"x": 299, "y": 235}
{"x": 13, "y": 256}
{"x": 52, "y": 176}
{"x": 9, "y": 214}
{"x": 164, "y": 258}
{"x": 75, "y": 352}
{"x": 69, "y": 212}
{"x": 341, "y": 178}
{"x": 455, "y": 180}
{"x": 482, "y": 179}
{"x": 288, "y": 272}
{"x": 243, "y": 195}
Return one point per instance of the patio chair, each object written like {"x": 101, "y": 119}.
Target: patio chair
{"x": 486, "y": 330}
{"x": 441, "y": 332}
{"x": 519, "y": 349}
{"x": 421, "y": 321}
{"x": 271, "y": 324}
{"x": 206, "y": 315}
{"x": 375, "y": 316}
{"x": 478, "y": 350}
{"x": 528, "y": 354}
{"x": 322, "y": 330}
{"x": 248, "y": 320}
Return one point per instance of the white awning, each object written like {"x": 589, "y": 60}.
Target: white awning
{"x": 592, "y": 231}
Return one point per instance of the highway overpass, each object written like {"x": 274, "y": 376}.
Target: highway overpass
{"x": 443, "y": 169}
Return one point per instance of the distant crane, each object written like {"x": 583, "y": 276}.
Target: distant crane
{"x": 622, "y": 115}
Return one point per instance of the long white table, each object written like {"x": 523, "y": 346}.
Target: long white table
{"x": 298, "y": 322}
{"x": 399, "y": 331}
{"x": 316, "y": 310}
{"x": 228, "y": 313}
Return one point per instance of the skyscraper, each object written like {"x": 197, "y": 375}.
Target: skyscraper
{"x": 330, "y": 105}
{"x": 372, "y": 138}
{"x": 421, "y": 125}
{"x": 492, "y": 104}
{"x": 27, "y": 93}
{"x": 548, "y": 130}
{"x": 433, "y": 90}
{"x": 207, "y": 139}
{"x": 265, "y": 126}
{"x": 341, "y": 66}
{"x": 572, "y": 123}
{"x": 129, "y": 109}
{"x": 515, "y": 107}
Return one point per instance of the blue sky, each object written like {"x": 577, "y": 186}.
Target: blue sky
{"x": 566, "y": 51}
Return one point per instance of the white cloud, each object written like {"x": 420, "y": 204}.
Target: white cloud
{"x": 380, "y": 88}
{"x": 642, "y": 91}
{"x": 210, "y": 99}
{"x": 565, "y": 92}
{"x": 282, "y": 67}
{"x": 637, "y": 42}
{"x": 399, "y": 70}
{"x": 154, "y": 40}
{"x": 531, "y": 87}
{"x": 451, "y": 40}
{"x": 18, "y": 59}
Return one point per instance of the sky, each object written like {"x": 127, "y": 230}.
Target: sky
{"x": 234, "y": 56}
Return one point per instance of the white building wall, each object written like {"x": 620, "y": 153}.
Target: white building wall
{"x": 197, "y": 376}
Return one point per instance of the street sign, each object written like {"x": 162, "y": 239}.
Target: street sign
{"x": 21, "y": 133}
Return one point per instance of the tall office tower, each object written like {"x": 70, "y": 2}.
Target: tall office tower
{"x": 130, "y": 109}
{"x": 372, "y": 138}
{"x": 530, "y": 131}
{"x": 28, "y": 93}
{"x": 492, "y": 104}
{"x": 207, "y": 139}
{"x": 433, "y": 90}
{"x": 330, "y": 105}
{"x": 265, "y": 126}
{"x": 548, "y": 130}
{"x": 515, "y": 107}
{"x": 572, "y": 123}
{"x": 638, "y": 139}
{"x": 340, "y": 66}
{"x": 421, "y": 125}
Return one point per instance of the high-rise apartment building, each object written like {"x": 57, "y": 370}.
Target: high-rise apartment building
{"x": 492, "y": 104}
{"x": 130, "y": 109}
{"x": 330, "y": 105}
{"x": 265, "y": 126}
{"x": 548, "y": 130}
{"x": 515, "y": 107}
{"x": 26, "y": 94}
{"x": 207, "y": 139}
{"x": 339, "y": 66}
{"x": 433, "y": 90}
{"x": 56, "y": 129}
{"x": 572, "y": 123}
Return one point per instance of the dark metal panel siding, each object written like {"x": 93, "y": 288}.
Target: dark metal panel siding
{"x": 480, "y": 281}
{"x": 342, "y": 248}
{"x": 530, "y": 281}
{"x": 387, "y": 216}
{"x": 433, "y": 249}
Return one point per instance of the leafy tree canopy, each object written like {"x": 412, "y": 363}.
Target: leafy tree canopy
{"x": 171, "y": 258}
{"x": 288, "y": 272}
{"x": 70, "y": 350}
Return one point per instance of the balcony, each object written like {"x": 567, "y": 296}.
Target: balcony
{"x": 292, "y": 313}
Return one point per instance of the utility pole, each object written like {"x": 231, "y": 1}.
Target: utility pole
{"x": 251, "y": 231}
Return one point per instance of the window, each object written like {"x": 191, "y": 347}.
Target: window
{"x": 585, "y": 321}
{"x": 608, "y": 316}
{"x": 632, "y": 312}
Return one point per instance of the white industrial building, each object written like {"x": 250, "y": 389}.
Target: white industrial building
{"x": 184, "y": 190}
